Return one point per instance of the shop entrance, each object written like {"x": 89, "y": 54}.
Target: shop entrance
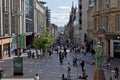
{"x": 117, "y": 50}
{"x": 6, "y": 50}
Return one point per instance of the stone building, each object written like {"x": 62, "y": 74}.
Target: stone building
{"x": 90, "y": 20}
{"x": 107, "y": 26}
{"x": 20, "y": 21}
{"x": 69, "y": 28}
{"x": 54, "y": 31}
{"x": 82, "y": 9}
{"x": 5, "y": 28}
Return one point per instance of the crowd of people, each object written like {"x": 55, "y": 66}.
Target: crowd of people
{"x": 63, "y": 51}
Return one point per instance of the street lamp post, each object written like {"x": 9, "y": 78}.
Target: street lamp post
{"x": 18, "y": 14}
{"x": 19, "y": 29}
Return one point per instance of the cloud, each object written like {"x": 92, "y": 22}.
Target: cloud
{"x": 60, "y": 18}
{"x": 64, "y": 8}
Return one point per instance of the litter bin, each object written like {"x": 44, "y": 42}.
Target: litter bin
{"x": 1, "y": 71}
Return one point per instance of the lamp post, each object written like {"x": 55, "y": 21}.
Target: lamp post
{"x": 19, "y": 22}
{"x": 18, "y": 14}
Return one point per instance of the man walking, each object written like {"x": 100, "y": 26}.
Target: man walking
{"x": 82, "y": 65}
{"x": 68, "y": 69}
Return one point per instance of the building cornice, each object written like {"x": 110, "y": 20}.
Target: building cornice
{"x": 107, "y": 11}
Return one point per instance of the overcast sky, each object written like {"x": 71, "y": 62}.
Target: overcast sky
{"x": 60, "y": 10}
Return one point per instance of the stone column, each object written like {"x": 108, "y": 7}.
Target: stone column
{"x": 9, "y": 18}
{"x": 1, "y": 18}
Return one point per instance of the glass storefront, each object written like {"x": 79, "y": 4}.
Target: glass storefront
{"x": 5, "y": 49}
{"x": 117, "y": 49}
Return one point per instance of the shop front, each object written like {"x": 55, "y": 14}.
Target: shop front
{"x": 114, "y": 45}
{"x": 5, "y": 46}
{"x": 29, "y": 40}
{"x": 6, "y": 50}
{"x": 116, "y": 49}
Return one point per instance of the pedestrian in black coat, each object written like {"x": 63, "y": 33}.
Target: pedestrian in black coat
{"x": 82, "y": 65}
{"x": 93, "y": 52}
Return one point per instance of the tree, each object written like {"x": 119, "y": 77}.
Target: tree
{"x": 44, "y": 41}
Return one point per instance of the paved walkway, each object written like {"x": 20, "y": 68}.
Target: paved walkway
{"x": 89, "y": 58}
{"x": 50, "y": 68}
{"x": 19, "y": 79}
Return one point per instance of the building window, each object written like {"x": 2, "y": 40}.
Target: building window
{"x": 102, "y": 4}
{"x": 95, "y": 24}
{"x": 12, "y": 6}
{"x": 117, "y": 23}
{"x": 80, "y": 6}
{"x": 13, "y": 24}
{"x": 107, "y": 22}
{"x": 91, "y": 3}
{"x": 29, "y": 25}
{"x": 28, "y": 8}
{"x": 5, "y": 28}
{"x": 102, "y": 21}
{"x": 80, "y": 14}
{"x": 119, "y": 3}
{"x": 4, "y": 5}
{"x": 107, "y": 4}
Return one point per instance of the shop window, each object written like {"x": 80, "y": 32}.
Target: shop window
{"x": 107, "y": 23}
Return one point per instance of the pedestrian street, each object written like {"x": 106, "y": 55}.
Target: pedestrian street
{"x": 49, "y": 68}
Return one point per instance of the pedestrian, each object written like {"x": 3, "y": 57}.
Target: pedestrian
{"x": 33, "y": 55}
{"x": 116, "y": 73}
{"x": 68, "y": 69}
{"x": 61, "y": 58}
{"x": 108, "y": 63}
{"x": 75, "y": 61}
{"x": 82, "y": 65}
{"x": 65, "y": 53}
{"x": 93, "y": 52}
{"x": 30, "y": 53}
{"x": 37, "y": 55}
{"x": 36, "y": 77}
{"x": 57, "y": 50}
{"x": 84, "y": 75}
{"x": 63, "y": 77}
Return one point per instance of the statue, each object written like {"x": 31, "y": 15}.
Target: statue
{"x": 98, "y": 56}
